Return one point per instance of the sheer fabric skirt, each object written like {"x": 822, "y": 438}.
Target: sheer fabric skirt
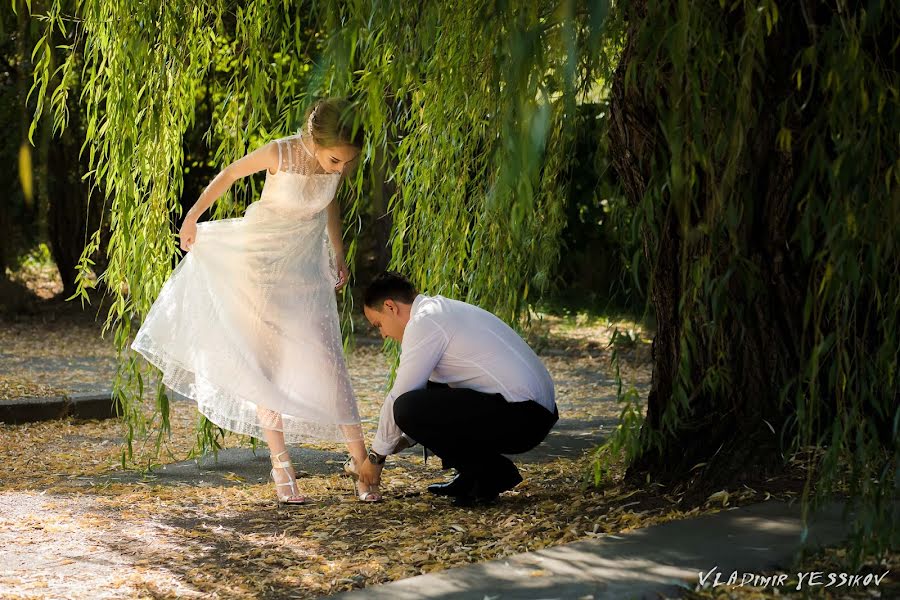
{"x": 247, "y": 326}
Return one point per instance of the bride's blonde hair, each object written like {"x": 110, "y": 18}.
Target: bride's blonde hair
{"x": 331, "y": 122}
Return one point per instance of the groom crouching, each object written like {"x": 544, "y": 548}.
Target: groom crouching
{"x": 468, "y": 388}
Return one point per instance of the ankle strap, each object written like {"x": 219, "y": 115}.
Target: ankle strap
{"x": 277, "y": 461}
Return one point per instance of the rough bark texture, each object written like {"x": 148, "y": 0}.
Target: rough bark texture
{"x": 729, "y": 432}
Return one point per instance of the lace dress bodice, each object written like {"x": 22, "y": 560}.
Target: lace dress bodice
{"x": 300, "y": 188}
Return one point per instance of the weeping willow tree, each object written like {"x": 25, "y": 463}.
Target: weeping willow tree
{"x": 142, "y": 68}
{"x": 756, "y": 142}
{"x": 759, "y": 143}
{"x": 479, "y": 166}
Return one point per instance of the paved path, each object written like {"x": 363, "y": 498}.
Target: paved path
{"x": 74, "y": 374}
{"x": 658, "y": 561}
{"x": 647, "y": 563}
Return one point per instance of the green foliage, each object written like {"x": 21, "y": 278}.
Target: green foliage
{"x": 37, "y": 257}
{"x": 625, "y": 443}
{"x": 600, "y": 266}
{"x": 849, "y": 200}
{"x": 475, "y": 122}
{"x": 774, "y": 177}
{"x": 475, "y": 106}
{"x": 774, "y": 170}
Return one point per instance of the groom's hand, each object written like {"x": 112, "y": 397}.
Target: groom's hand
{"x": 369, "y": 473}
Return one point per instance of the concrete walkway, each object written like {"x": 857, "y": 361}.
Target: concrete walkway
{"x": 82, "y": 383}
{"x": 655, "y": 562}
{"x": 659, "y": 561}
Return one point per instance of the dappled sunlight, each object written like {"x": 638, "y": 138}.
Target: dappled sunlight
{"x": 190, "y": 529}
{"x": 37, "y": 273}
{"x": 176, "y": 538}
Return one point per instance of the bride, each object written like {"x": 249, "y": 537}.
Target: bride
{"x": 247, "y": 324}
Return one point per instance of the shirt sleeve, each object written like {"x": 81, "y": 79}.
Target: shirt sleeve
{"x": 426, "y": 342}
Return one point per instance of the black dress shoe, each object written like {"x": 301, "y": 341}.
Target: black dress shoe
{"x": 505, "y": 482}
{"x": 482, "y": 493}
{"x": 472, "y": 499}
{"x": 459, "y": 485}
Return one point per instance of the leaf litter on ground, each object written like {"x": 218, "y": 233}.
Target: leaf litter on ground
{"x": 167, "y": 541}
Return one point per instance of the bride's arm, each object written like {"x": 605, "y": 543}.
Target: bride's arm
{"x": 265, "y": 157}
{"x": 335, "y": 227}
{"x": 335, "y": 235}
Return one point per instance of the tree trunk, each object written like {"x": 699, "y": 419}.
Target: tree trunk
{"x": 72, "y": 216}
{"x": 731, "y": 428}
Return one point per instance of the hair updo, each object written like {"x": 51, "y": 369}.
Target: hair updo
{"x": 331, "y": 122}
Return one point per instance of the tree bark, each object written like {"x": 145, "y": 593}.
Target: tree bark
{"x": 735, "y": 432}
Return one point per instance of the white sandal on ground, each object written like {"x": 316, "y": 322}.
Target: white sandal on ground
{"x": 294, "y": 497}
{"x": 370, "y": 496}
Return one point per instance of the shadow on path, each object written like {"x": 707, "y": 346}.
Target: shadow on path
{"x": 234, "y": 466}
{"x": 663, "y": 559}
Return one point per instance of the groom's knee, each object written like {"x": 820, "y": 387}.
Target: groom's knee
{"x": 406, "y": 408}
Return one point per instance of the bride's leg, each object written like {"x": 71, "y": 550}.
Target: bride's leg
{"x": 275, "y": 441}
{"x": 356, "y": 445}
{"x": 272, "y": 432}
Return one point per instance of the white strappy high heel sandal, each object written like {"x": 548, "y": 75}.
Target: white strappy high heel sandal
{"x": 370, "y": 496}
{"x": 294, "y": 497}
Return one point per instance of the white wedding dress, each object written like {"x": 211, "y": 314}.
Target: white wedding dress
{"x": 247, "y": 324}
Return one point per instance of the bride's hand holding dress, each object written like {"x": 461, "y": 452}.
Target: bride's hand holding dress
{"x": 187, "y": 234}
{"x": 255, "y": 297}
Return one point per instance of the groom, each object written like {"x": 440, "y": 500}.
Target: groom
{"x": 468, "y": 388}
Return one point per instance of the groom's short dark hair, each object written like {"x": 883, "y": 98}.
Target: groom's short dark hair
{"x": 389, "y": 285}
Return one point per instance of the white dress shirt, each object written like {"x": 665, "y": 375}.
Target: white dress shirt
{"x": 463, "y": 346}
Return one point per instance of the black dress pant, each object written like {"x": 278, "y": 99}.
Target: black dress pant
{"x": 470, "y": 431}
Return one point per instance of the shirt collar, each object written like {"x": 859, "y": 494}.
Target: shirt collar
{"x": 416, "y": 303}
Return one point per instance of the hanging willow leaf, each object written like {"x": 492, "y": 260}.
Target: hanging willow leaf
{"x": 743, "y": 155}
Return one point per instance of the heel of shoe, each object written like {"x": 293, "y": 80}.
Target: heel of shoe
{"x": 370, "y": 496}
{"x": 351, "y": 472}
{"x": 350, "y": 469}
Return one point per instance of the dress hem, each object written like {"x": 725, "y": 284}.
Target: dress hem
{"x": 313, "y": 431}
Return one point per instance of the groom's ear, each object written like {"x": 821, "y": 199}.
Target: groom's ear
{"x": 390, "y": 306}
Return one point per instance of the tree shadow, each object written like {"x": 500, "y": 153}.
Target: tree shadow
{"x": 238, "y": 466}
